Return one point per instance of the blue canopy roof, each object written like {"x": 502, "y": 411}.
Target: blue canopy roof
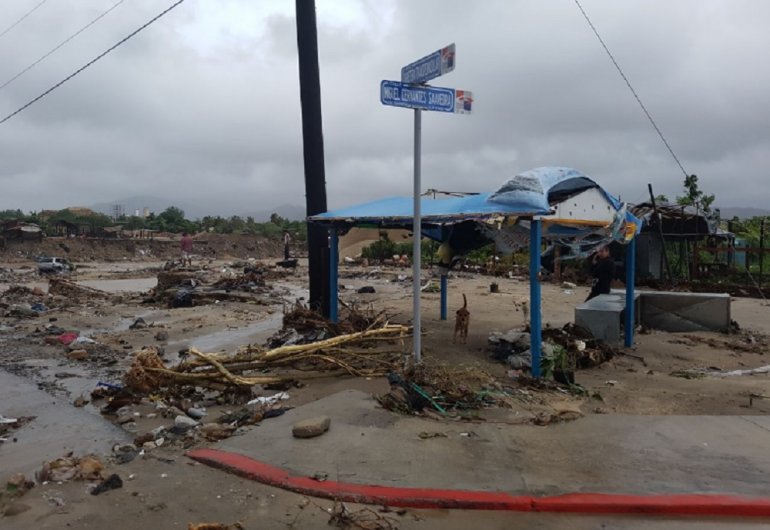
{"x": 529, "y": 193}
{"x": 397, "y": 210}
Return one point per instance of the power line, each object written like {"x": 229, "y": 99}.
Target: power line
{"x": 92, "y": 61}
{"x": 628, "y": 83}
{"x": 62, "y": 43}
{"x": 25, "y": 15}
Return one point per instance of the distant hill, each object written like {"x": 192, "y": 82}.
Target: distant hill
{"x": 742, "y": 212}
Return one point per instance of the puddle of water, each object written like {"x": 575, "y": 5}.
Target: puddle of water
{"x": 58, "y": 428}
{"x": 230, "y": 339}
{"x": 120, "y": 286}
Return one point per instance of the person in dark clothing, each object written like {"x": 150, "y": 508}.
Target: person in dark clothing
{"x": 603, "y": 271}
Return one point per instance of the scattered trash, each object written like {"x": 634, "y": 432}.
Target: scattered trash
{"x": 752, "y": 371}
{"x": 269, "y": 400}
{"x": 365, "y": 518}
{"x": 428, "y": 435}
{"x": 69, "y": 468}
{"x": 139, "y": 323}
{"x": 447, "y": 389}
{"x": 112, "y": 482}
{"x": 217, "y": 431}
{"x": 184, "y": 421}
{"x": 67, "y": 338}
{"x": 78, "y": 355}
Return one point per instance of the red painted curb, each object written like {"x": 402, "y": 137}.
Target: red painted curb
{"x": 681, "y": 504}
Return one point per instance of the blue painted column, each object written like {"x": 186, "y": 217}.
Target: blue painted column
{"x": 630, "y": 306}
{"x": 535, "y": 324}
{"x": 443, "y": 296}
{"x": 334, "y": 259}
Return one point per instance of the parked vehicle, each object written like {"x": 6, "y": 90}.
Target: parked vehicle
{"x": 48, "y": 265}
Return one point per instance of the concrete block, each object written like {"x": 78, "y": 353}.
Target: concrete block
{"x": 602, "y": 316}
{"x": 670, "y": 311}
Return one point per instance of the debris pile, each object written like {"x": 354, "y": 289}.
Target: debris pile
{"x": 353, "y": 354}
{"x": 248, "y": 281}
{"x": 564, "y": 350}
{"x": 446, "y": 389}
{"x": 22, "y": 302}
{"x": 188, "y": 288}
{"x": 303, "y": 325}
{"x": 68, "y": 468}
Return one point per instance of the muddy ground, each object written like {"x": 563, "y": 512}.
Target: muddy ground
{"x": 664, "y": 373}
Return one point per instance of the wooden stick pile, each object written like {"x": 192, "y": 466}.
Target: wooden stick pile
{"x": 353, "y": 353}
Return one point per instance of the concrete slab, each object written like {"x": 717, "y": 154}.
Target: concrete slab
{"x": 58, "y": 428}
{"x": 672, "y": 311}
{"x": 598, "y": 453}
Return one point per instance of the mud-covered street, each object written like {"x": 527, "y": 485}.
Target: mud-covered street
{"x": 67, "y": 343}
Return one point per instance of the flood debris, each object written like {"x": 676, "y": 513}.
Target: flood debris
{"x": 74, "y": 291}
{"x": 8, "y": 425}
{"x": 353, "y": 354}
{"x": 15, "y": 487}
{"x": 112, "y": 482}
{"x": 215, "y": 526}
{"x": 311, "y": 326}
{"x": 447, "y": 390}
{"x": 68, "y": 467}
{"x": 363, "y": 519}
{"x": 564, "y": 350}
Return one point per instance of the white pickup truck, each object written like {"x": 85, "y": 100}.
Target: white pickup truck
{"x": 48, "y": 265}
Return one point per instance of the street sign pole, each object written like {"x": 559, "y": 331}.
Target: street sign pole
{"x": 417, "y": 235}
{"x": 411, "y": 92}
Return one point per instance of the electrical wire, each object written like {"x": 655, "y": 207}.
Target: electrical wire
{"x": 631, "y": 88}
{"x": 89, "y": 63}
{"x": 25, "y": 15}
{"x": 62, "y": 43}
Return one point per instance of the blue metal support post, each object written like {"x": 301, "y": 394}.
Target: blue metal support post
{"x": 630, "y": 306}
{"x": 535, "y": 324}
{"x": 334, "y": 260}
{"x": 443, "y": 296}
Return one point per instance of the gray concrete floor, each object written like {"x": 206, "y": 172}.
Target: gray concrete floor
{"x": 598, "y": 453}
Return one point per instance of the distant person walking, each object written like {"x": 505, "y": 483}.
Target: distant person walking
{"x": 603, "y": 271}
{"x": 286, "y": 245}
{"x": 186, "y": 246}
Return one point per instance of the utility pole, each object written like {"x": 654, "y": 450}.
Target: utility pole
{"x": 313, "y": 150}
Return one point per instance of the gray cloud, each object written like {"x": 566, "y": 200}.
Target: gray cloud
{"x": 203, "y": 107}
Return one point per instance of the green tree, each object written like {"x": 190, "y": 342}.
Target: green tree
{"x": 694, "y": 196}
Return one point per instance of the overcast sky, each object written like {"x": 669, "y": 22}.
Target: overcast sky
{"x": 203, "y": 106}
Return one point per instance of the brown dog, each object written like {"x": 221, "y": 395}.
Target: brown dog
{"x": 462, "y": 320}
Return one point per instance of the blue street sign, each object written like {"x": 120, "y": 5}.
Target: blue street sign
{"x": 433, "y": 98}
{"x": 429, "y": 67}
